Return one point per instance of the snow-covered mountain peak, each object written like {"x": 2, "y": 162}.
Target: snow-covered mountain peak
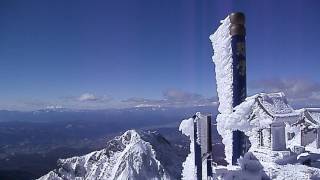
{"x": 133, "y": 155}
{"x": 130, "y": 136}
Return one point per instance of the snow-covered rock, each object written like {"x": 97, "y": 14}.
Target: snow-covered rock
{"x": 135, "y": 155}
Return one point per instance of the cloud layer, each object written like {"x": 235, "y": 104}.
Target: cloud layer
{"x": 173, "y": 97}
{"x": 87, "y": 97}
{"x": 299, "y": 91}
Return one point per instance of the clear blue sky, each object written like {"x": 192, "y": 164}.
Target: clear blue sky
{"x": 56, "y": 52}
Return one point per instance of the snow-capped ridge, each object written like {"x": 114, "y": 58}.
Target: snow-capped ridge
{"x": 136, "y": 154}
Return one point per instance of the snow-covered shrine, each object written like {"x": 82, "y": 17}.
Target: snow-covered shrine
{"x": 268, "y": 117}
{"x": 303, "y": 130}
{"x": 272, "y": 124}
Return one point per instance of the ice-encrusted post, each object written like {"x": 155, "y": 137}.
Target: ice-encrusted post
{"x": 198, "y": 164}
{"x": 197, "y": 149}
{"x": 230, "y": 66}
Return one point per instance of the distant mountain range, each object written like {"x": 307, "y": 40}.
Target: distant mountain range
{"x": 61, "y": 114}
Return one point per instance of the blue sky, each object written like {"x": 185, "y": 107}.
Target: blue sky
{"x": 101, "y": 54}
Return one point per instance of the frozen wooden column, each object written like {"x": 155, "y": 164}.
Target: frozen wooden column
{"x": 238, "y": 45}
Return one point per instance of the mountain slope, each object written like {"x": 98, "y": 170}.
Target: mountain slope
{"x": 133, "y": 155}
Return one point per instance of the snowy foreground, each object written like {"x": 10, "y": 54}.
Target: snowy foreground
{"x": 268, "y": 171}
{"x": 250, "y": 167}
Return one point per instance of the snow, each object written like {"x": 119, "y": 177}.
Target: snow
{"x": 290, "y": 171}
{"x": 296, "y": 140}
{"x": 253, "y": 169}
{"x": 275, "y": 103}
{"x": 189, "y": 169}
{"x": 250, "y": 168}
{"x": 222, "y": 58}
{"x": 238, "y": 120}
{"x": 314, "y": 113}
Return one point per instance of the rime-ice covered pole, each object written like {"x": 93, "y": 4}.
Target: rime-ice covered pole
{"x": 230, "y": 66}
{"x": 198, "y": 164}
